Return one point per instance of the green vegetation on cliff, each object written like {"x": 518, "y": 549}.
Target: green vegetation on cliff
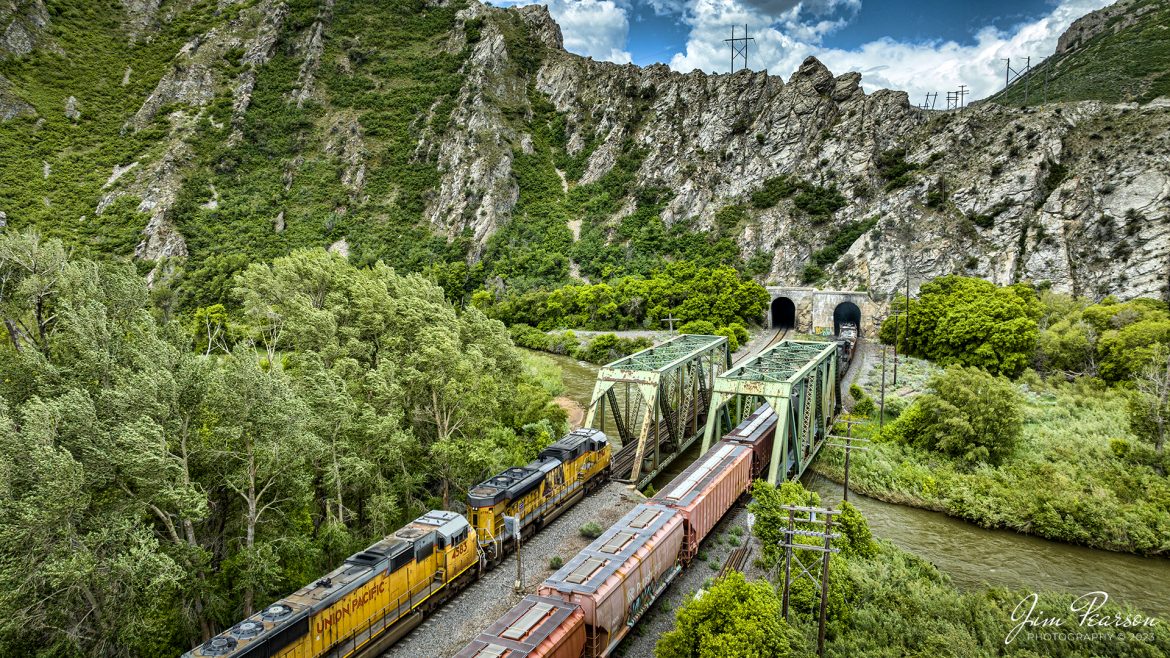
{"x": 1128, "y": 60}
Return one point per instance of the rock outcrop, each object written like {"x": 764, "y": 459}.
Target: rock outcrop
{"x": 1075, "y": 195}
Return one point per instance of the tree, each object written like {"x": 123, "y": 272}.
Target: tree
{"x": 733, "y": 619}
{"x": 972, "y": 322}
{"x": 1149, "y": 404}
{"x": 30, "y": 277}
{"x": 966, "y": 413}
{"x": 261, "y": 444}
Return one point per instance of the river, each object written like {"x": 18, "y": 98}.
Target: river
{"x": 971, "y": 555}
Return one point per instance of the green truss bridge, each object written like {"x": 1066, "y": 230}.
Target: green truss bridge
{"x": 798, "y": 379}
{"x": 656, "y": 401}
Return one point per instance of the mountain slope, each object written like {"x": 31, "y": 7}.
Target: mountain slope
{"x": 459, "y": 137}
{"x": 1117, "y": 54}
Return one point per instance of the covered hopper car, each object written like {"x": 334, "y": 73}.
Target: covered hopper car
{"x": 615, "y": 580}
{"x": 538, "y": 627}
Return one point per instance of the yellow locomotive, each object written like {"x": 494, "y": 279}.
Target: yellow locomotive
{"x": 533, "y": 495}
{"x": 390, "y": 585}
{"x": 383, "y": 592}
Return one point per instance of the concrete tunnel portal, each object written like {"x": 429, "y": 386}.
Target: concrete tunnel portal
{"x": 784, "y": 313}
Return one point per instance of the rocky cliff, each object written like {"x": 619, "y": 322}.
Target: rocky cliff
{"x": 259, "y": 126}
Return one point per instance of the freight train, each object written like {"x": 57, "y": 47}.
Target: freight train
{"x": 846, "y": 346}
{"x": 587, "y": 607}
{"x": 381, "y": 593}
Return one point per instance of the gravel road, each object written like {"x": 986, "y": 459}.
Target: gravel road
{"x": 475, "y": 608}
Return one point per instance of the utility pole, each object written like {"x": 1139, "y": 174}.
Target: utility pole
{"x": 897, "y": 339}
{"x": 824, "y": 585}
{"x": 670, "y": 318}
{"x": 907, "y": 302}
{"x": 809, "y": 516}
{"x": 882, "y": 406}
{"x": 962, "y": 96}
{"x": 849, "y": 448}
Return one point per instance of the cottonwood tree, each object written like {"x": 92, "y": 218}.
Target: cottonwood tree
{"x": 1149, "y": 404}
{"x": 259, "y": 439}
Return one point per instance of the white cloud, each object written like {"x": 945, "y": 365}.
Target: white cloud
{"x": 594, "y": 28}
{"x": 796, "y": 30}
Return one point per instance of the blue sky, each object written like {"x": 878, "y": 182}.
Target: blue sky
{"x": 916, "y": 46}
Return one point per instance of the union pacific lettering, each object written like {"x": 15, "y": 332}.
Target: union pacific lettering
{"x": 350, "y": 605}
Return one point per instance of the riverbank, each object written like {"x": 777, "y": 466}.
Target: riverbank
{"x": 1073, "y": 478}
{"x": 897, "y": 602}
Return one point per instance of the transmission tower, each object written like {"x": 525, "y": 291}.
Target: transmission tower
{"x": 1010, "y": 75}
{"x": 931, "y": 99}
{"x": 739, "y": 46}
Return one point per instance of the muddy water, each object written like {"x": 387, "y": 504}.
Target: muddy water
{"x": 973, "y": 556}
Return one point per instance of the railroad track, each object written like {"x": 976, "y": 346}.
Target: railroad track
{"x": 776, "y": 338}
{"x": 735, "y": 561}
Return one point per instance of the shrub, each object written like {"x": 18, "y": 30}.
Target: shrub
{"x": 732, "y": 341}
{"x": 701, "y": 327}
{"x": 556, "y": 563}
{"x": 591, "y": 530}
{"x": 741, "y": 333}
{"x": 774, "y": 189}
{"x": 967, "y": 414}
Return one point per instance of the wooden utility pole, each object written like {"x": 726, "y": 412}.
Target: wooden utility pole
{"x": 882, "y": 405}
{"x": 849, "y": 448}
{"x": 670, "y": 318}
{"x": 825, "y": 583}
{"x": 809, "y": 516}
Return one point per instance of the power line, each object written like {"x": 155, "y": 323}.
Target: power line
{"x": 739, "y": 46}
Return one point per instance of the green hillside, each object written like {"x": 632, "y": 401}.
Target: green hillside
{"x": 1129, "y": 64}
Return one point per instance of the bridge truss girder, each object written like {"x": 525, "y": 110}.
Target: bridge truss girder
{"x": 798, "y": 379}
{"x": 656, "y": 399}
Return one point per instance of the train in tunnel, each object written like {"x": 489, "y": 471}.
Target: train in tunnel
{"x": 380, "y": 594}
{"x": 590, "y": 604}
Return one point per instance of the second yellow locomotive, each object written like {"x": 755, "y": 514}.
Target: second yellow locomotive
{"x": 535, "y": 494}
{"x": 381, "y": 593}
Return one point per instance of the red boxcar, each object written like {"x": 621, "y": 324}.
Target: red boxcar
{"x": 536, "y": 627}
{"x": 759, "y": 432}
{"x": 707, "y": 489}
{"x": 618, "y": 576}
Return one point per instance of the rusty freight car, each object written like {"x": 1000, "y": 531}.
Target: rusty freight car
{"x": 538, "y": 627}
{"x": 706, "y": 490}
{"x": 616, "y": 578}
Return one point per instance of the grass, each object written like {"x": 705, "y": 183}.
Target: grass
{"x": 1131, "y": 65}
{"x": 1068, "y": 480}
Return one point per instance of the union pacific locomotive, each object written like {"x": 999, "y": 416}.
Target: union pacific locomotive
{"x": 381, "y": 593}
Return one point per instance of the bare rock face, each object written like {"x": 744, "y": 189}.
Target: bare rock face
{"x": 72, "y": 110}
{"x": 196, "y": 73}
{"x": 23, "y": 26}
{"x": 11, "y": 105}
{"x": 1114, "y": 18}
{"x": 1066, "y": 194}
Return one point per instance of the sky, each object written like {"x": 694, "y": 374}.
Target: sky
{"x": 917, "y": 46}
